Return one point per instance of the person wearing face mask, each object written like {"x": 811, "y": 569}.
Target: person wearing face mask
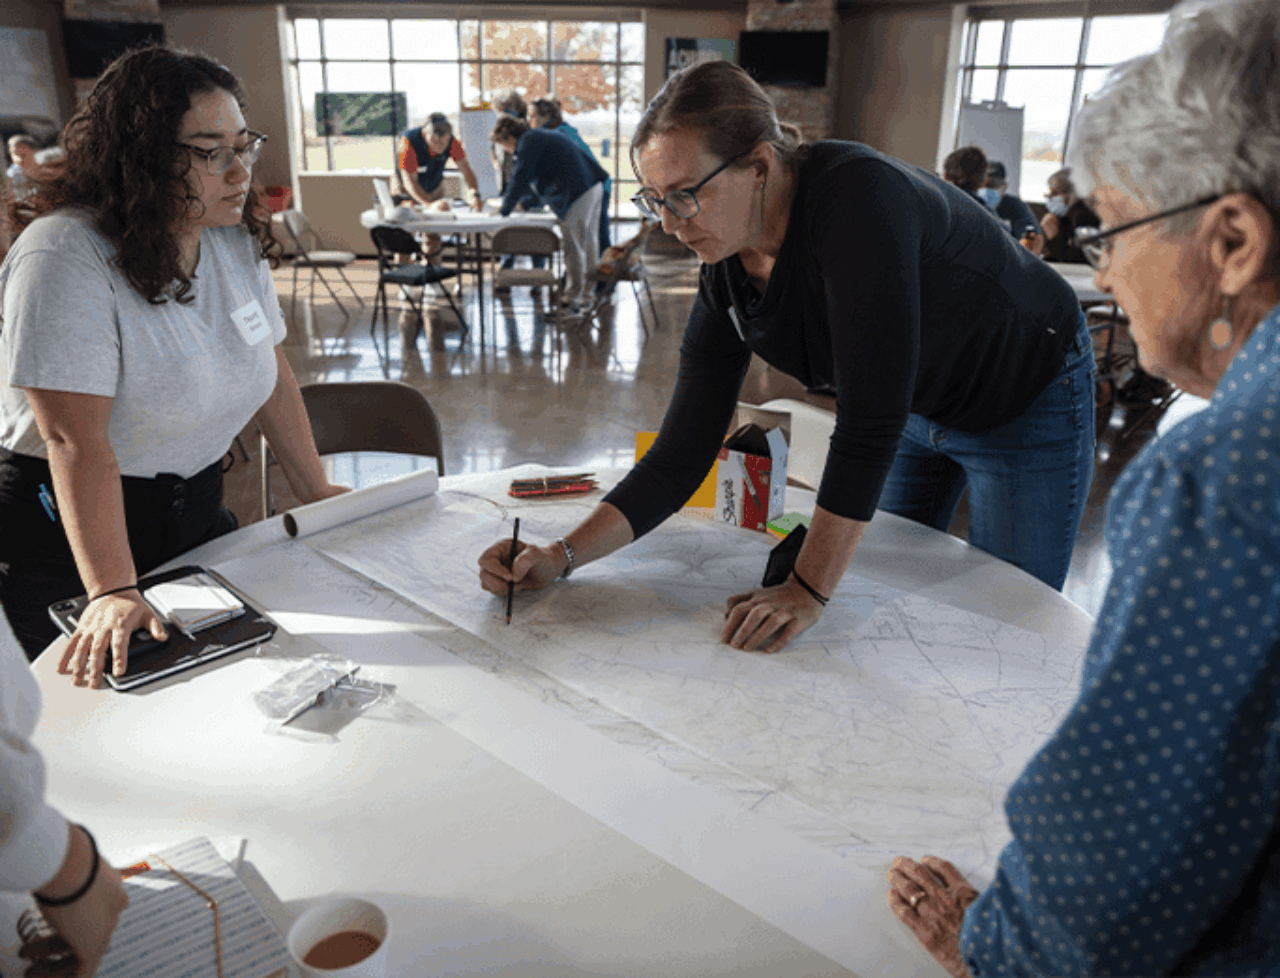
{"x": 140, "y": 332}
{"x": 1067, "y": 213}
{"x": 1009, "y": 207}
{"x": 959, "y": 359}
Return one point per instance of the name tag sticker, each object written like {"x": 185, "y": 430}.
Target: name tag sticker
{"x": 252, "y": 323}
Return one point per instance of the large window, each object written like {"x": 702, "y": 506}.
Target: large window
{"x": 379, "y": 75}
{"x": 1048, "y": 66}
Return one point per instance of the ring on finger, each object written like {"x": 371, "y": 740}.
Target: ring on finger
{"x": 915, "y": 899}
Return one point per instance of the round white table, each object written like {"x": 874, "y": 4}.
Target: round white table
{"x": 508, "y": 828}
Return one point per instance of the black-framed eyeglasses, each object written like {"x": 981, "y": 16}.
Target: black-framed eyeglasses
{"x": 1096, "y": 244}
{"x": 682, "y": 203}
{"x": 218, "y": 161}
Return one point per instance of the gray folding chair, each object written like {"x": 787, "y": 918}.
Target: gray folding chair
{"x": 306, "y": 256}
{"x": 533, "y": 241}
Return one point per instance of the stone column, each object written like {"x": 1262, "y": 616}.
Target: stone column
{"x": 811, "y": 110}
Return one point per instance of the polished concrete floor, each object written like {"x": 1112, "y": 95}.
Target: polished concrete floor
{"x": 533, "y": 392}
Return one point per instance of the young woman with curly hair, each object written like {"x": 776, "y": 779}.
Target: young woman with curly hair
{"x": 139, "y": 333}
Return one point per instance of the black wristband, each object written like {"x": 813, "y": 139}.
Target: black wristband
{"x": 114, "y": 590}
{"x": 88, "y": 884}
{"x": 804, "y": 584}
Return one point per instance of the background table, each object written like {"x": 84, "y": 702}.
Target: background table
{"x": 509, "y": 826}
{"x": 470, "y": 224}
{"x": 1080, "y": 278}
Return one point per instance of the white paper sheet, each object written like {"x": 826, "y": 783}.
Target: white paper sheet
{"x": 167, "y": 931}
{"x": 900, "y": 719}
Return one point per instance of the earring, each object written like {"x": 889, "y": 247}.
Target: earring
{"x": 1221, "y": 332}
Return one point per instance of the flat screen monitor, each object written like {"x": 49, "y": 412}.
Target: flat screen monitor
{"x": 785, "y": 57}
{"x": 94, "y": 44}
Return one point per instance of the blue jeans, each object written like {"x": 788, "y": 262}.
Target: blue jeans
{"x": 1028, "y": 480}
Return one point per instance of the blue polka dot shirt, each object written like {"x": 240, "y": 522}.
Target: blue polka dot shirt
{"x": 1145, "y": 830}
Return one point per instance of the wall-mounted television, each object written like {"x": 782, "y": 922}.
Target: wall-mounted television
{"x": 785, "y": 57}
{"x": 94, "y": 44}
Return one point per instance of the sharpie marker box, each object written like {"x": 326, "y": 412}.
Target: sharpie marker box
{"x": 751, "y": 477}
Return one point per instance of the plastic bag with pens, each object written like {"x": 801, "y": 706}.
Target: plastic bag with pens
{"x": 320, "y": 695}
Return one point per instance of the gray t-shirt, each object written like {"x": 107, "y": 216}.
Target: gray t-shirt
{"x": 185, "y": 379}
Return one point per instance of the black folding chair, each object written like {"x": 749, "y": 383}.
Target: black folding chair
{"x": 393, "y": 241}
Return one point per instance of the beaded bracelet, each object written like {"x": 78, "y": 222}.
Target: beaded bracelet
{"x": 114, "y": 590}
{"x": 88, "y": 884}
{"x": 804, "y": 584}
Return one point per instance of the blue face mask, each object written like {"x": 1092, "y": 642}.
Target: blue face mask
{"x": 1057, "y": 205}
{"x": 990, "y": 196}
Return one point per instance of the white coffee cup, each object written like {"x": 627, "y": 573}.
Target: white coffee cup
{"x": 333, "y": 916}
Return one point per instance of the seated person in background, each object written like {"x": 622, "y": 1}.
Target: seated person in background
{"x": 547, "y": 115}
{"x": 1146, "y": 830}
{"x": 1067, "y": 215}
{"x": 966, "y": 168}
{"x": 569, "y": 181}
{"x": 611, "y": 256}
{"x": 41, "y": 853}
{"x": 1008, "y": 207}
{"x": 140, "y": 332}
{"x": 24, "y": 171}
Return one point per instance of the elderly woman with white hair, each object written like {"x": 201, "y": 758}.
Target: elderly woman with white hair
{"x": 1145, "y": 838}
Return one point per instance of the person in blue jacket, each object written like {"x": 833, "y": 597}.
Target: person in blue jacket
{"x": 567, "y": 180}
{"x": 547, "y": 115}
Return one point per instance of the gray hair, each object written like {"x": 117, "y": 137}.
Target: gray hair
{"x": 1199, "y": 116}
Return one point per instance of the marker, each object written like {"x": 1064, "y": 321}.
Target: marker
{"x": 48, "y": 502}
{"x": 511, "y": 585}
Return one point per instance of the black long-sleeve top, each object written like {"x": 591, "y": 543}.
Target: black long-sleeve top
{"x": 901, "y": 291}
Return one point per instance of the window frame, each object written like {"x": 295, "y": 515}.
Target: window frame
{"x": 1009, "y": 14}
{"x": 615, "y": 18}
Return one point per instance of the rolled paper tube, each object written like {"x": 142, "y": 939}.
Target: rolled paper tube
{"x": 328, "y": 513}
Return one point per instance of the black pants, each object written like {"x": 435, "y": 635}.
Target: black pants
{"x": 166, "y": 516}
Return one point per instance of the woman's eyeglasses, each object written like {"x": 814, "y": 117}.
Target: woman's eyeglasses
{"x": 218, "y": 161}
{"x": 1096, "y": 244}
{"x": 682, "y": 203}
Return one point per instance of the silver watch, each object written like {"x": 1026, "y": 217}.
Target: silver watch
{"x": 568, "y": 552}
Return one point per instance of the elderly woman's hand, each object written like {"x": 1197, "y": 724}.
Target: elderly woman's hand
{"x": 930, "y": 897}
{"x": 104, "y": 630}
{"x": 754, "y": 617}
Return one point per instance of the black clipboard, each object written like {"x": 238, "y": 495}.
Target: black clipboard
{"x": 150, "y": 661}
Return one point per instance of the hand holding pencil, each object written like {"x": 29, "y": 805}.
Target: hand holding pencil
{"x": 532, "y": 568}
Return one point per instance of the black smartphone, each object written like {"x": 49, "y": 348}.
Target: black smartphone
{"x": 782, "y": 558}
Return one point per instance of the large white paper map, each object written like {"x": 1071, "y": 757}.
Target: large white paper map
{"x": 899, "y": 719}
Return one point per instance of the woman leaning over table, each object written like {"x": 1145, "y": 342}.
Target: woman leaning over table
{"x": 958, "y": 357}
{"x": 1145, "y": 837}
{"x": 139, "y": 332}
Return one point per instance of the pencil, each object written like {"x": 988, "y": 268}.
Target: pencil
{"x": 511, "y": 585}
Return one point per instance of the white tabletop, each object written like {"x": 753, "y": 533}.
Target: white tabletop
{"x": 513, "y": 817}
{"x": 459, "y": 221}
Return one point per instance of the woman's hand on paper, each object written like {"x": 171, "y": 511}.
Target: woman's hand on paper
{"x": 931, "y": 897}
{"x": 780, "y": 613}
{"x": 534, "y": 568}
{"x": 103, "y": 632}
{"x": 88, "y": 923}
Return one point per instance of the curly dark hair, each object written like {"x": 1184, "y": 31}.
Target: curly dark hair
{"x": 124, "y": 164}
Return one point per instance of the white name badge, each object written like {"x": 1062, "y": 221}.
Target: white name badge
{"x": 252, "y": 323}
